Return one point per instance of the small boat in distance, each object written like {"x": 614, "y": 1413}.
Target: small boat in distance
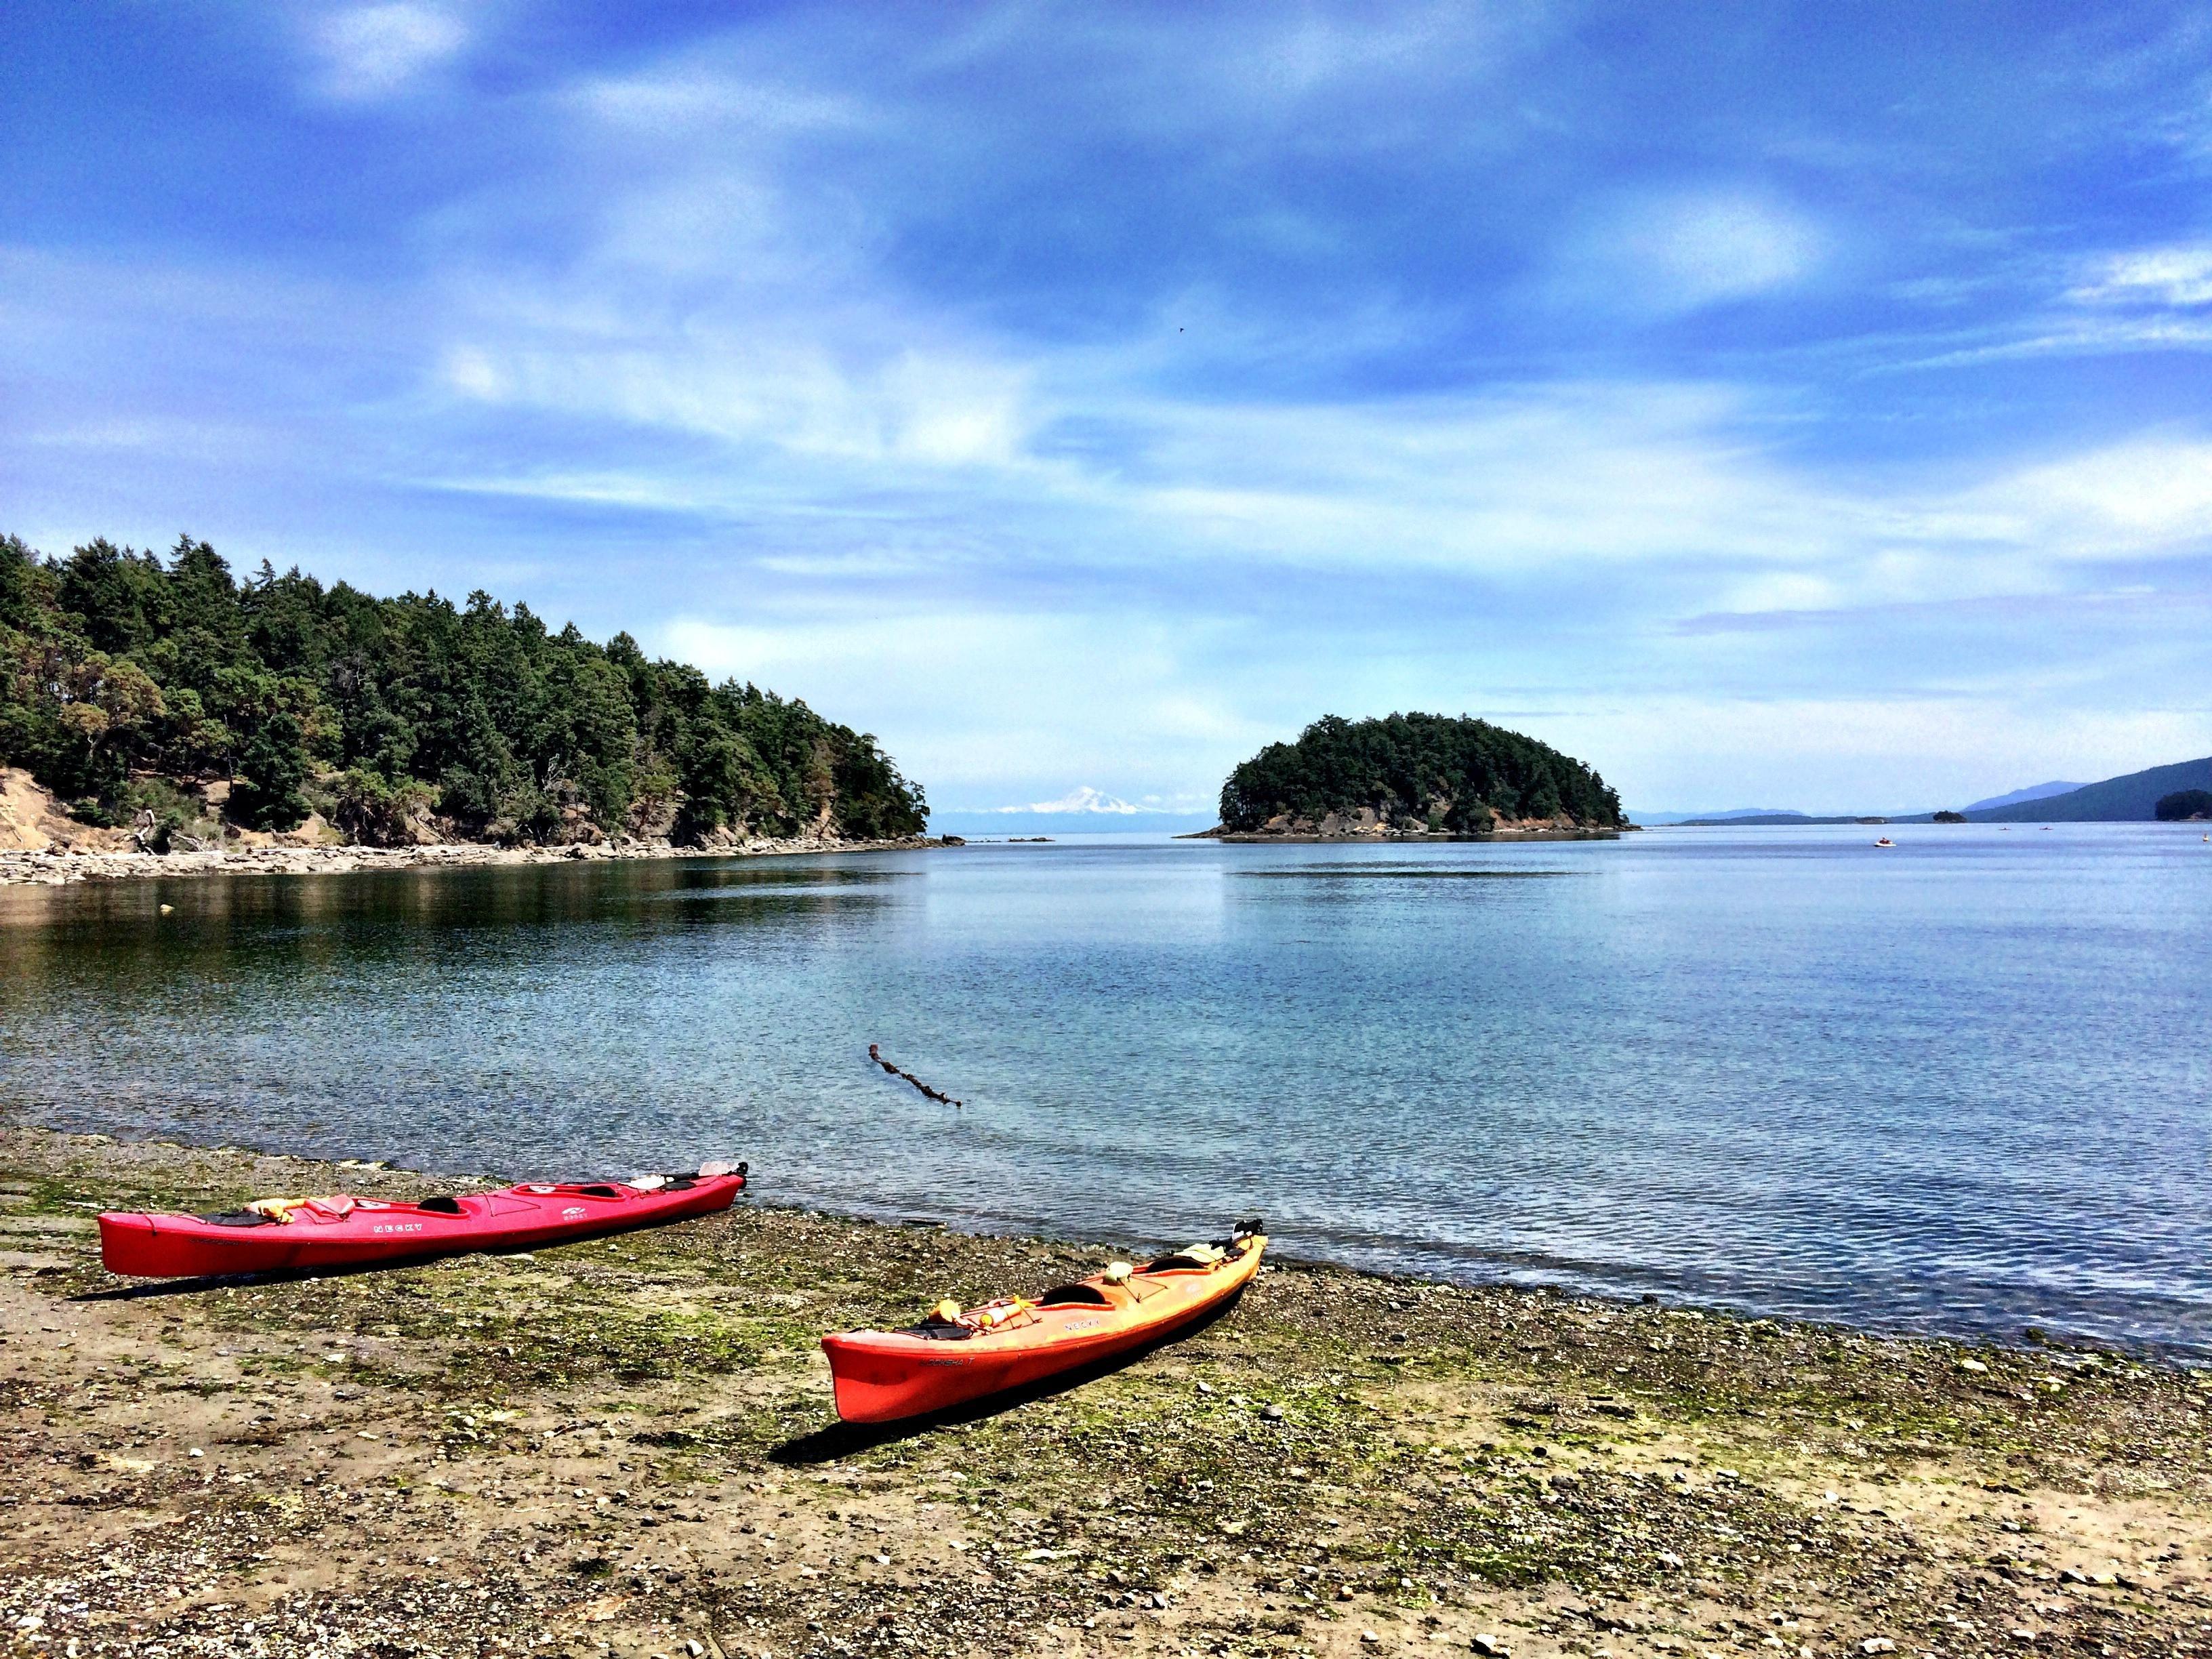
{"x": 957, "y": 1354}
{"x": 1884, "y": 841}
{"x": 276, "y": 1235}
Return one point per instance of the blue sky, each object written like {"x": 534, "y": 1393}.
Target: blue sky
{"x": 1802, "y": 405}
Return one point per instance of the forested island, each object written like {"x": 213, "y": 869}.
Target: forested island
{"x": 2184, "y": 806}
{"x": 166, "y": 696}
{"x": 1414, "y": 775}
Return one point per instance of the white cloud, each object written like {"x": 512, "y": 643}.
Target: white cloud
{"x": 1684, "y": 251}
{"x": 980, "y": 703}
{"x": 2149, "y": 497}
{"x": 2177, "y": 276}
{"x": 1845, "y": 755}
{"x": 373, "y": 52}
{"x": 2144, "y": 299}
{"x": 691, "y": 99}
{"x": 2089, "y": 336}
{"x": 788, "y": 388}
{"x": 1100, "y": 547}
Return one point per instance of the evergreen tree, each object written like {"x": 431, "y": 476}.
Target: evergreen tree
{"x": 271, "y": 792}
{"x": 114, "y": 662}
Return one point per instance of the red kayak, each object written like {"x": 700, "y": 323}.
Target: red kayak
{"x": 277, "y": 1235}
{"x": 957, "y": 1355}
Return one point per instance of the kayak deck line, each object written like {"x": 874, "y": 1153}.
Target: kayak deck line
{"x": 338, "y": 1230}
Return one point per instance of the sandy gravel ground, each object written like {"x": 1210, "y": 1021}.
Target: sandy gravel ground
{"x": 629, "y": 1449}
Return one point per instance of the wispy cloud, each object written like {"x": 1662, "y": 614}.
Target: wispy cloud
{"x": 2175, "y": 277}
{"x": 1682, "y": 250}
{"x": 1102, "y": 394}
{"x": 374, "y": 51}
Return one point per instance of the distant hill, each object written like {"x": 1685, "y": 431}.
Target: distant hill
{"x": 2127, "y": 799}
{"x": 1714, "y": 815}
{"x": 1764, "y": 820}
{"x": 2020, "y": 797}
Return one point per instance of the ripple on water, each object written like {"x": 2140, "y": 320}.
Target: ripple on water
{"x": 1959, "y": 1087}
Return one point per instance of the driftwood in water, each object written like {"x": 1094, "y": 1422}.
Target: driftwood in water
{"x": 876, "y": 1054}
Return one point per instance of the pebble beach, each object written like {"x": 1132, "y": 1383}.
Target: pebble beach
{"x": 628, "y": 1447}
{"x": 57, "y": 866}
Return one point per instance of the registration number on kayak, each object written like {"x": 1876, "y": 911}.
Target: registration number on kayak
{"x": 397, "y": 1227}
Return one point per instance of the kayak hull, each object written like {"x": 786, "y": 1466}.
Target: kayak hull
{"x": 371, "y": 1233}
{"x": 885, "y": 1376}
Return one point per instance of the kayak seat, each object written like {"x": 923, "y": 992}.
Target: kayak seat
{"x": 240, "y": 1219}
{"x": 442, "y": 1205}
{"x": 1074, "y": 1296}
{"x": 600, "y": 1191}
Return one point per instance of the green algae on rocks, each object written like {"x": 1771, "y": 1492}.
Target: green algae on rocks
{"x": 626, "y": 1446}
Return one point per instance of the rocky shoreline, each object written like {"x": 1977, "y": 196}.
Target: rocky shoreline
{"x": 628, "y": 1447}
{"x": 1317, "y": 837}
{"x": 56, "y": 866}
{"x": 1365, "y": 824}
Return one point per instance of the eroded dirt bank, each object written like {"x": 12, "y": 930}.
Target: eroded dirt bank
{"x": 630, "y": 1448}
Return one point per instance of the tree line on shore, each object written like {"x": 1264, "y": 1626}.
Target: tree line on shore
{"x": 123, "y": 674}
{"x": 1416, "y": 772}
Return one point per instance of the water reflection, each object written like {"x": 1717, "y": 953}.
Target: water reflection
{"x": 1959, "y": 1085}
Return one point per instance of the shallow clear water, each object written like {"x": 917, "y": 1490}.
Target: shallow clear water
{"x": 1961, "y": 1085}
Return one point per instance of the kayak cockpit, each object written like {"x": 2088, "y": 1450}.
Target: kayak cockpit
{"x": 1082, "y": 1295}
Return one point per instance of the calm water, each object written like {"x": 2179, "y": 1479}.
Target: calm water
{"x": 1962, "y": 1085}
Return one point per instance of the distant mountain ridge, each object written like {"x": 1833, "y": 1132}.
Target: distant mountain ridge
{"x": 2021, "y": 796}
{"x": 2130, "y": 799}
{"x": 1714, "y": 815}
{"x": 1767, "y": 820}
{"x": 2126, "y": 799}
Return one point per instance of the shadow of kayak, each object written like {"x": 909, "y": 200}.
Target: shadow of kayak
{"x": 202, "y": 1283}
{"x": 841, "y": 1439}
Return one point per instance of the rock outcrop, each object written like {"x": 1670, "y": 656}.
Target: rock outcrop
{"x": 1368, "y": 825}
{"x": 41, "y": 845}
{"x": 31, "y": 820}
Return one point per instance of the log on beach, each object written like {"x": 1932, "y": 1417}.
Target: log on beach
{"x": 876, "y": 1054}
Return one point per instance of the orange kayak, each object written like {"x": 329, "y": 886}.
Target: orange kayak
{"x": 958, "y": 1355}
